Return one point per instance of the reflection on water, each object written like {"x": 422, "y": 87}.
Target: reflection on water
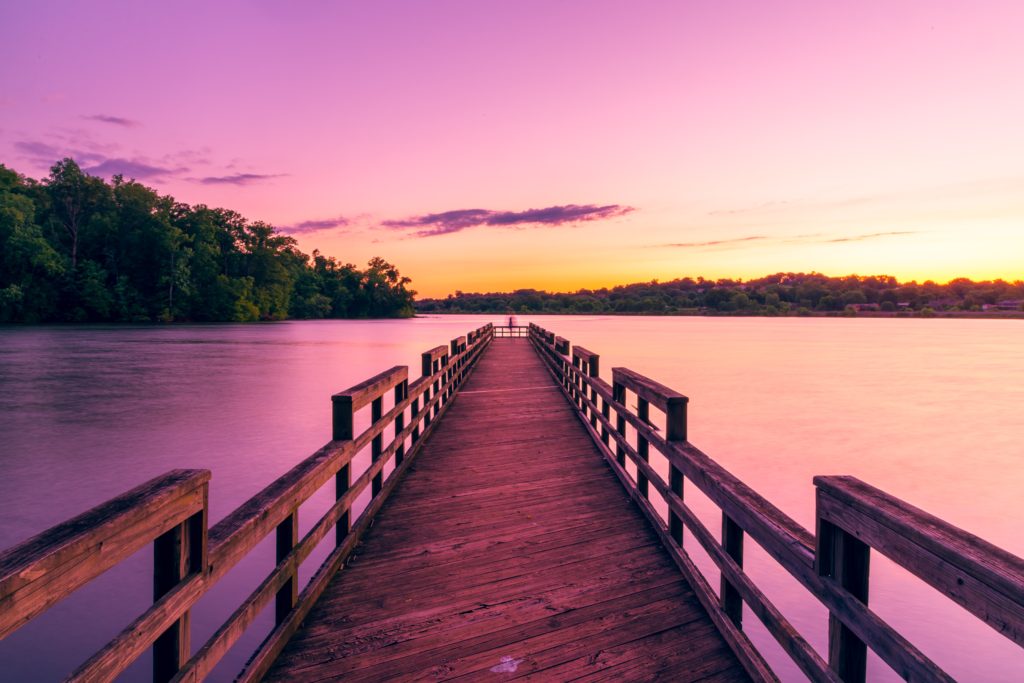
{"x": 928, "y": 410}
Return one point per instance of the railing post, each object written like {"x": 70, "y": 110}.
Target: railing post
{"x": 437, "y": 365}
{"x": 675, "y": 431}
{"x": 593, "y": 370}
{"x": 427, "y": 370}
{"x": 342, "y": 482}
{"x": 377, "y": 445}
{"x": 457, "y": 346}
{"x": 845, "y": 559}
{"x": 288, "y": 594}
{"x": 606, "y": 412}
{"x": 177, "y": 553}
{"x": 414, "y": 408}
{"x": 401, "y": 393}
{"x": 619, "y": 396}
{"x": 732, "y": 543}
{"x": 562, "y": 349}
{"x": 643, "y": 411}
{"x": 341, "y": 430}
{"x": 341, "y": 414}
{"x": 576, "y": 383}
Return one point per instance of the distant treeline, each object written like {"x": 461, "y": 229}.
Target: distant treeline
{"x": 779, "y": 294}
{"x": 76, "y": 248}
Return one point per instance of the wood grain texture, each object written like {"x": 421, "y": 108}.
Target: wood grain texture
{"x": 981, "y": 577}
{"x": 508, "y": 548}
{"x": 38, "y": 573}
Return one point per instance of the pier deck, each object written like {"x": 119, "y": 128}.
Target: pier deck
{"x": 509, "y": 549}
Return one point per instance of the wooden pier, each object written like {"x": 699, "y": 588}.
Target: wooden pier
{"x": 513, "y": 530}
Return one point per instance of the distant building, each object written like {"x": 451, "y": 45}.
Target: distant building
{"x": 1005, "y": 305}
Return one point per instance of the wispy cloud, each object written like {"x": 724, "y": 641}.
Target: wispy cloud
{"x": 112, "y": 120}
{"x": 316, "y": 225}
{"x": 237, "y": 178}
{"x": 714, "y": 243}
{"x": 816, "y": 238}
{"x": 94, "y": 162}
{"x": 871, "y": 236}
{"x": 447, "y": 222}
{"x": 45, "y": 154}
{"x": 132, "y": 168}
{"x": 763, "y": 206}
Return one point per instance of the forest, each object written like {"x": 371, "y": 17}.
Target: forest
{"x": 75, "y": 248}
{"x": 778, "y": 294}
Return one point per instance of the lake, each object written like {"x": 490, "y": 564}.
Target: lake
{"x": 927, "y": 410}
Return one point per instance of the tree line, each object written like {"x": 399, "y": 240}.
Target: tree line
{"x": 74, "y": 248}
{"x": 778, "y": 294}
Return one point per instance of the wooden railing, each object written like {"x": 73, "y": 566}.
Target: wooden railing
{"x": 512, "y": 331}
{"x": 833, "y": 564}
{"x": 171, "y": 512}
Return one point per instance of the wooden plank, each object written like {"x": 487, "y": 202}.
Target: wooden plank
{"x": 647, "y": 389}
{"x": 119, "y": 653}
{"x": 981, "y": 577}
{"x": 363, "y": 393}
{"x": 38, "y": 573}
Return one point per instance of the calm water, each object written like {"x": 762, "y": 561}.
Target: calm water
{"x": 928, "y": 410}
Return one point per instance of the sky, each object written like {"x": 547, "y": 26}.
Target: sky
{"x": 486, "y": 146}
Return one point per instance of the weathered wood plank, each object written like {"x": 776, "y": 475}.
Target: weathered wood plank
{"x": 656, "y": 393}
{"x": 363, "y": 393}
{"x": 38, "y": 573}
{"x": 981, "y": 577}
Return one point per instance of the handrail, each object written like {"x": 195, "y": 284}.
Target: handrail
{"x": 832, "y": 564}
{"x": 511, "y": 331}
{"x": 189, "y": 558}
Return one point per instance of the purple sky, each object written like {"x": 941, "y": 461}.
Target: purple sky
{"x": 553, "y": 144}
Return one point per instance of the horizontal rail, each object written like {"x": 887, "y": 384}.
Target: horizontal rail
{"x": 190, "y": 557}
{"x": 38, "y": 573}
{"x": 512, "y": 331}
{"x": 981, "y": 577}
{"x": 853, "y": 517}
{"x": 363, "y": 393}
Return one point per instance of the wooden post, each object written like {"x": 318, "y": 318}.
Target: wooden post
{"x": 562, "y": 349}
{"x": 288, "y": 594}
{"x": 341, "y": 430}
{"x": 846, "y": 560}
{"x": 177, "y": 553}
{"x": 427, "y": 371}
{"x": 401, "y": 392}
{"x": 342, "y": 482}
{"x": 437, "y": 365}
{"x": 675, "y": 431}
{"x": 643, "y": 411}
{"x": 577, "y": 380}
{"x": 619, "y": 395}
{"x": 413, "y": 410}
{"x": 732, "y": 543}
{"x": 593, "y": 370}
{"x": 342, "y": 413}
{"x": 606, "y": 411}
{"x": 377, "y": 445}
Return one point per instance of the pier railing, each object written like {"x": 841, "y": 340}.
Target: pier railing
{"x": 170, "y": 511}
{"x": 832, "y": 564}
{"x": 512, "y": 331}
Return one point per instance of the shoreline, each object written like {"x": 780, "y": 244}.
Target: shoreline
{"x": 916, "y": 315}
